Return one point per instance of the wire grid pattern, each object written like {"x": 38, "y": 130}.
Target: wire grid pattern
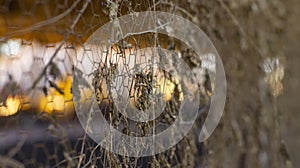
{"x": 37, "y": 76}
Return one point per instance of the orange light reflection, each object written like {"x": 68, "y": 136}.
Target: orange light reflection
{"x": 11, "y": 106}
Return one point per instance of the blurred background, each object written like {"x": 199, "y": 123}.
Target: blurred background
{"x": 258, "y": 41}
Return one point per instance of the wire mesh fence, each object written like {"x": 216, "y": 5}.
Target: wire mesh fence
{"x": 41, "y": 41}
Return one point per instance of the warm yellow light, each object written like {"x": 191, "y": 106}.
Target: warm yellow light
{"x": 166, "y": 87}
{"x": 56, "y": 102}
{"x": 11, "y": 107}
